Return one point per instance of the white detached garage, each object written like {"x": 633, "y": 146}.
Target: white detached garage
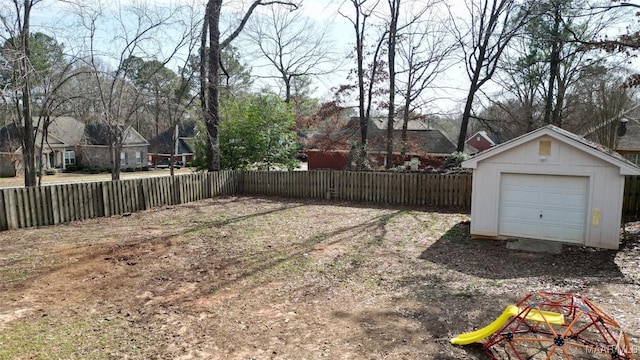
{"x": 549, "y": 184}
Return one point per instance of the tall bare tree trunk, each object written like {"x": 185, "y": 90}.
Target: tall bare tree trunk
{"x": 466, "y": 115}
{"x": 212, "y": 116}
{"x": 364, "y": 121}
{"x": 405, "y": 120}
{"x": 28, "y": 138}
{"x": 554, "y": 69}
{"x": 394, "y": 7}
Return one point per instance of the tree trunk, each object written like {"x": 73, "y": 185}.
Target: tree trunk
{"x": 114, "y": 154}
{"x": 28, "y": 140}
{"x": 203, "y": 66}
{"x": 405, "y": 122}
{"x": 394, "y": 6}
{"x": 466, "y": 115}
{"x": 554, "y": 68}
{"x": 363, "y": 118}
{"x": 557, "y": 111}
{"x": 212, "y": 116}
{"x": 287, "y": 88}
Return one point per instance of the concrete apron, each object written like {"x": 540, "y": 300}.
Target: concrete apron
{"x": 534, "y": 245}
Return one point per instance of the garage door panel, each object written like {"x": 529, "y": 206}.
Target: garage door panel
{"x": 543, "y": 206}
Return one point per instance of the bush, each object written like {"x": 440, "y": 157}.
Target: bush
{"x": 72, "y": 168}
{"x": 129, "y": 169}
{"x": 50, "y": 171}
{"x": 93, "y": 170}
{"x": 454, "y": 160}
{"x": 144, "y": 168}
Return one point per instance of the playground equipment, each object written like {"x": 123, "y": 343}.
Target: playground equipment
{"x": 550, "y": 325}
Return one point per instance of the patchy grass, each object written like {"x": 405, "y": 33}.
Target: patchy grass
{"x": 263, "y": 278}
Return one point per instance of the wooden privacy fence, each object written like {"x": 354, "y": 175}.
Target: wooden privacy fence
{"x": 631, "y": 201}
{"x": 451, "y": 190}
{"x": 56, "y": 204}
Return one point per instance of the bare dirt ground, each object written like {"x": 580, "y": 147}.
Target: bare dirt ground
{"x": 269, "y": 278}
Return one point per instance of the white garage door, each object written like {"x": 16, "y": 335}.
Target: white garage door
{"x": 543, "y": 207}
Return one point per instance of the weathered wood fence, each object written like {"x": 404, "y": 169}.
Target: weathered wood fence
{"x": 631, "y": 201}
{"x": 57, "y": 204}
{"x": 451, "y": 190}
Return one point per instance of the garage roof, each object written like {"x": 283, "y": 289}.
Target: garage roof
{"x": 594, "y": 149}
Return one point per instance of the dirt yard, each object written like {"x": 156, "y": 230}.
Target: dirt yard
{"x": 269, "y": 278}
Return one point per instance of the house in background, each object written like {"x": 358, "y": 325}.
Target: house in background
{"x": 10, "y": 154}
{"x": 181, "y": 144}
{"x": 628, "y": 144}
{"x": 70, "y": 142}
{"x": 481, "y": 141}
{"x": 620, "y": 133}
{"x": 93, "y": 149}
{"x": 58, "y": 146}
{"x": 63, "y": 135}
{"x": 426, "y": 146}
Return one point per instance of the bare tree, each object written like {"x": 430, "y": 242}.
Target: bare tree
{"x": 210, "y": 69}
{"x": 492, "y": 25}
{"x": 425, "y": 50}
{"x": 544, "y": 66}
{"x": 143, "y": 31}
{"x": 363, "y": 9}
{"x": 292, "y": 45}
{"x": 16, "y": 22}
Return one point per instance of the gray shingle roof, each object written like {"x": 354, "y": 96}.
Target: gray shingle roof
{"x": 420, "y": 136}
{"x": 163, "y": 143}
{"x": 630, "y": 141}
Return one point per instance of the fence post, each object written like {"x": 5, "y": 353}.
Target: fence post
{"x": 3, "y": 211}
{"x": 10, "y": 208}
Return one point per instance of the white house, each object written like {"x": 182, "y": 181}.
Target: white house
{"x": 549, "y": 184}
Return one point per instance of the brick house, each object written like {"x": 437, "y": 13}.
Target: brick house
{"x": 93, "y": 150}
{"x": 426, "y": 145}
{"x": 70, "y": 142}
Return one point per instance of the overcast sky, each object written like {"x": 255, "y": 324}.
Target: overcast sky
{"x": 451, "y": 87}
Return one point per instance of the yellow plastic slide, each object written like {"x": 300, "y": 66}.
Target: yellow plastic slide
{"x": 511, "y": 311}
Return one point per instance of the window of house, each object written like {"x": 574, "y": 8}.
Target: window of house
{"x": 123, "y": 158}
{"x": 138, "y": 157}
{"x": 69, "y": 157}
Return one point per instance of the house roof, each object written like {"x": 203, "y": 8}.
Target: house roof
{"x": 68, "y": 129}
{"x": 163, "y": 143}
{"x": 9, "y": 138}
{"x": 597, "y": 150}
{"x": 629, "y": 114}
{"x": 421, "y": 137}
{"x": 381, "y": 123}
{"x": 482, "y": 134}
{"x": 63, "y": 131}
{"x": 98, "y": 135}
{"x": 630, "y": 141}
